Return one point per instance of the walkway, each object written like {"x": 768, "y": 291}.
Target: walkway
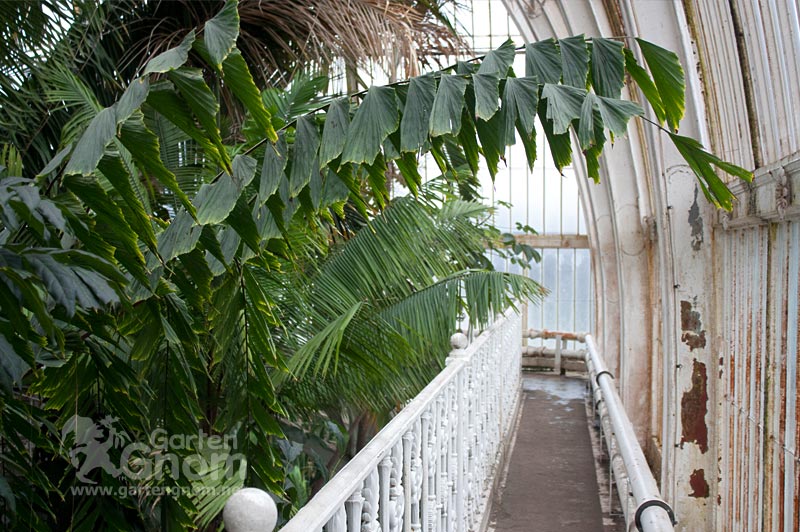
{"x": 550, "y": 483}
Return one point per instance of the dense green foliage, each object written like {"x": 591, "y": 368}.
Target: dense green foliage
{"x": 157, "y": 275}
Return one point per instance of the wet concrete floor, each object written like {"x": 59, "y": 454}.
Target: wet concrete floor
{"x": 550, "y": 482}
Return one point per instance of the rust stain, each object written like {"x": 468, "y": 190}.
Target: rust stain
{"x": 696, "y": 223}
{"x": 698, "y": 483}
{"x": 694, "y": 407}
{"x": 693, "y": 333}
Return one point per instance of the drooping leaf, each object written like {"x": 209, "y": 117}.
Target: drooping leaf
{"x": 304, "y": 160}
{"x": 244, "y": 170}
{"x": 334, "y": 134}
{"x": 375, "y": 119}
{"x": 193, "y": 88}
{"x": 114, "y": 170}
{"x": 499, "y": 60}
{"x": 543, "y": 61}
{"x": 275, "y": 158}
{"x": 132, "y": 99}
{"x": 180, "y": 236}
{"x": 574, "y": 60}
{"x": 241, "y": 220}
{"x": 238, "y": 79}
{"x": 560, "y": 144}
{"x": 144, "y": 147}
{"x": 486, "y": 95}
{"x": 417, "y": 113}
{"x": 92, "y": 144}
{"x": 220, "y": 33}
{"x": 447, "y": 106}
{"x": 520, "y": 100}
{"x": 215, "y": 201}
{"x": 616, "y": 113}
{"x": 608, "y": 70}
{"x": 586, "y": 126}
{"x": 700, "y": 161}
{"x": 563, "y": 105}
{"x": 645, "y": 82}
{"x": 491, "y": 136}
{"x": 668, "y": 78}
{"x": 171, "y": 106}
{"x": 172, "y": 58}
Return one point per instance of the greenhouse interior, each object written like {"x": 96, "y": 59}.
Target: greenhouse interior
{"x": 399, "y": 265}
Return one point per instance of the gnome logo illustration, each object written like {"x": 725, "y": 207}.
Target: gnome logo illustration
{"x": 93, "y": 441}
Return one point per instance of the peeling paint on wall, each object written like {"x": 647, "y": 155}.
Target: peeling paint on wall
{"x": 698, "y": 483}
{"x": 692, "y": 326}
{"x": 696, "y": 223}
{"x": 694, "y": 407}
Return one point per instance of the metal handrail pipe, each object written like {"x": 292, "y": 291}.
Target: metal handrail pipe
{"x": 653, "y": 514}
{"x": 552, "y": 335}
{"x": 548, "y": 352}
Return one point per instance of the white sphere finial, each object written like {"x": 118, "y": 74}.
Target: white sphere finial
{"x": 459, "y": 341}
{"x": 250, "y": 510}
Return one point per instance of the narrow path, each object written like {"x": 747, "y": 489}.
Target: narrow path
{"x": 550, "y": 483}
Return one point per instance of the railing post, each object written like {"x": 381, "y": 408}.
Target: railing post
{"x": 459, "y": 343}
{"x": 557, "y": 363}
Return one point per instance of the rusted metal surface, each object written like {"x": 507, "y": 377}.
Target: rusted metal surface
{"x": 694, "y": 407}
{"x": 759, "y": 432}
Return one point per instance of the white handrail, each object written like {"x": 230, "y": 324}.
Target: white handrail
{"x": 431, "y": 467}
{"x": 631, "y": 472}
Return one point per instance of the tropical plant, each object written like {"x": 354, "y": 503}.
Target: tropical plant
{"x": 241, "y": 298}
{"x": 50, "y": 50}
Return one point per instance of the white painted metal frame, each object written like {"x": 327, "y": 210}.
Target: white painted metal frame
{"x": 432, "y": 467}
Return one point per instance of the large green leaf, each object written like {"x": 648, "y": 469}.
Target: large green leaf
{"x": 92, "y": 144}
{"x": 563, "y": 105}
{"x": 172, "y": 58}
{"x": 543, "y": 61}
{"x": 337, "y": 122}
{"x": 215, "y": 201}
{"x": 117, "y": 174}
{"x": 193, "y": 88}
{"x": 72, "y": 278}
{"x": 586, "y": 126}
{"x": 238, "y": 79}
{"x": 144, "y": 147}
{"x": 220, "y": 33}
{"x": 180, "y": 236}
{"x": 417, "y": 113}
{"x": 498, "y": 61}
{"x": 132, "y": 99}
{"x": 668, "y": 78}
{"x": 171, "y": 106}
{"x": 646, "y": 84}
{"x": 560, "y": 144}
{"x": 304, "y": 159}
{"x": 447, "y": 106}
{"x": 490, "y": 133}
{"x": 375, "y": 119}
{"x": 520, "y": 100}
{"x": 700, "y": 161}
{"x": 275, "y": 158}
{"x": 608, "y": 72}
{"x": 616, "y": 113}
{"x": 487, "y": 94}
{"x": 574, "y": 60}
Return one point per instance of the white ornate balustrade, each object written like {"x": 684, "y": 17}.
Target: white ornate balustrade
{"x": 432, "y": 467}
